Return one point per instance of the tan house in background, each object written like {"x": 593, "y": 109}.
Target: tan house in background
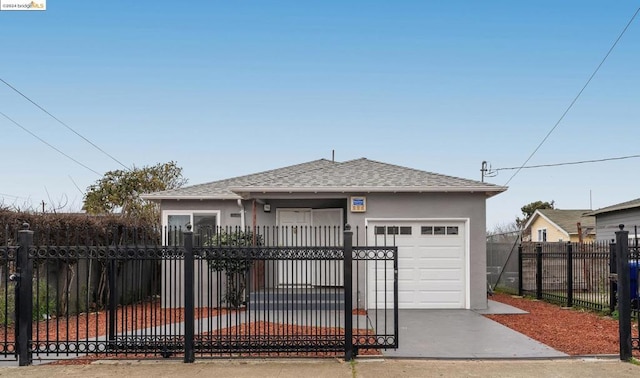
{"x": 553, "y": 225}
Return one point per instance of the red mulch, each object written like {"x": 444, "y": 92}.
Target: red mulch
{"x": 130, "y": 317}
{"x": 150, "y": 314}
{"x": 572, "y": 331}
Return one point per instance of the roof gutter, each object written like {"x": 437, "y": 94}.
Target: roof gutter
{"x": 612, "y": 210}
{"x": 489, "y": 191}
{"x": 371, "y": 189}
{"x": 158, "y": 198}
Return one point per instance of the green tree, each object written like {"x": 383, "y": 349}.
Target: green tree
{"x": 120, "y": 190}
{"x": 235, "y": 266}
{"x": 530, "y": 208}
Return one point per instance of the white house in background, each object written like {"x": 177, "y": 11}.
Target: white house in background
{"x": 438, "y": 222}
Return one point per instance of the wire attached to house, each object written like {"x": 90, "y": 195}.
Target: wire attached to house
{"x": 64, "y": 124}
{"x": 575, "y": 98}
{"x": 495, "y": 170}
{"x": 48, "y": 144}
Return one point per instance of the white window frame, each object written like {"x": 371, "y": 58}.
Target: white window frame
{"x": 542, "y": 235}
{"x": 190, "y": 213}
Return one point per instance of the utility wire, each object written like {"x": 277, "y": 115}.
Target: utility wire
{"x": 63, "y": 124}
{"x": 47, "y": 143}
{"x": 567, "y": 163}
{"x": 575, "y": 99}
{"x": 11, "y": 195}
{"x": 76, "y": 185}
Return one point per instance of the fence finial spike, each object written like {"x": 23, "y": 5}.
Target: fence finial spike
{"x": 347, "y": 227}
{"x": 25, "y": 226}
{"x": 188, "y": 226}
{"x": 621, "y": 227}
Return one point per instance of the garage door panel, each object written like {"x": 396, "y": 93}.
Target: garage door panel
{"x": 448, "y": 274}
{"x": 431, "y": 268}
{"x": 432, "y": 286}
{"x": 437, "y": 264}
{"x": 429, "y": 259}
{"x": 452, "y": 274}
{"x": 437, "y": 242}
{"x": 433, "y": 251}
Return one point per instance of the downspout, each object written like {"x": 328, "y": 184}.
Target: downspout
{"x": 254, "y": 223}
{"x": 242, "y": 221}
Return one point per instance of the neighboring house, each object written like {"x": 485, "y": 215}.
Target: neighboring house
{"x": 438, "y": 222}
{"x": 554, "y": 225}
{"x": 608, "y": 219}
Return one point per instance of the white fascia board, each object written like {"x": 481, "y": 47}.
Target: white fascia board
{"x": 531, "y": 219}
{"x": 193, "y": 197}
{"x": 369, "y": 189}
{"x": 548, "y": 220}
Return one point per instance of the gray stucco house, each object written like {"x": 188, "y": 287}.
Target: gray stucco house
{"x": 438, "y": 222}
{"x": 609, "y": 218}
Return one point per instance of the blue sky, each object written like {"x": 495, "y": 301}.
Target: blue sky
{"x": 229, "y": 88}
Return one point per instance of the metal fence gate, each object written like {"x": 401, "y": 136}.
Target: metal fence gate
{"x": 7, "y": 299}
{"x": 220, "y": 292}
{"x": 625, "y": 277}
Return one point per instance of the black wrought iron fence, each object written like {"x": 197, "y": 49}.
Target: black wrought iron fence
{"x": 260, "y": 291}
{"x": 7, "y": 294}
{"x": 569, "y": 274}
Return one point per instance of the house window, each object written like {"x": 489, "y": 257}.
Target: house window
{"x": 175, "y": 224}
{"x": 542, "y": 235}
{"x": 392, "y": 230}
{"x": 439, "y": 230}
{"x": 204, "y": 223}
{"x": 452, "y": 230}
{"x": 426, "y": 230}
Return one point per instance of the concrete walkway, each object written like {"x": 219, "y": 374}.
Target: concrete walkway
{"x": 582, "y": 368}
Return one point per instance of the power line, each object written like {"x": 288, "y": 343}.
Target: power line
{"x": 567, "y": 163}
{"x": 63, "y": 124}
{"x": 576, "y": 97}
{"x": 76, "y": 185}
{"x": 11, "y": 195}
{"x": 47, "y": 143}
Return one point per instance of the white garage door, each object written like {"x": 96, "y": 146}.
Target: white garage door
{"x": 431, "y": 264}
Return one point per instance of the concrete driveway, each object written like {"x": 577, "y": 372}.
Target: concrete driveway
{"x": 464, "y": 334}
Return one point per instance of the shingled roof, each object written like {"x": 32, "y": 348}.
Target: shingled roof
{"x": 361, "y": 175}
{"x": 618, "y": 207}
{"x": 568, "y": 219}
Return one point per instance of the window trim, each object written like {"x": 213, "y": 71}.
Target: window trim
{"x": 542, "y": 234}
{"x": 190, "y": 213}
